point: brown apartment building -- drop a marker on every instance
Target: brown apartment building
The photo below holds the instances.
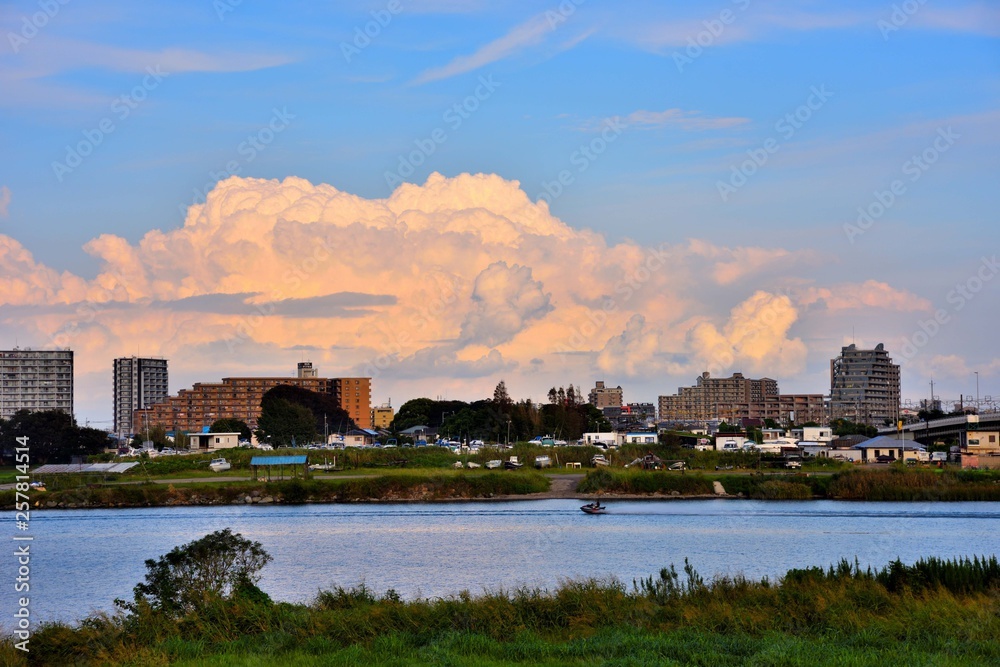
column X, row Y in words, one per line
column 239, row 398
column 737, row 397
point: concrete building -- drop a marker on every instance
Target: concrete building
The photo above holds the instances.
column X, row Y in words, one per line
column 382, row 416
column 239, row 398
column 864, row 386
column 355, row 396
column 139, row 382
column 605, row 397
column 36, row 380
column 715, row 398
column 981, row 449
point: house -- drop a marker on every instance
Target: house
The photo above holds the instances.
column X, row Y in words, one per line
column 638, row 438
column 772, row 433
column 813, row 434
column 207, row 442
column 980, row 449
column 361, row 437
column 896, row 450
column 729, row 442
column 816, row 449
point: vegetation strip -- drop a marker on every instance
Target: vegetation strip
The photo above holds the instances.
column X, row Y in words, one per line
column 200, row 605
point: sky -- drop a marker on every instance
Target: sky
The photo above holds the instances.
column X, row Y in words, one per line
column 441, row 194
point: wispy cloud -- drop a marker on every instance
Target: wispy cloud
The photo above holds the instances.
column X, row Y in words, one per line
column 4, row 201
column 532, row 32
column 686, row 120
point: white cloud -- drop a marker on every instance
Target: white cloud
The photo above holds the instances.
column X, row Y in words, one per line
column 532, row 32
column 440, row 286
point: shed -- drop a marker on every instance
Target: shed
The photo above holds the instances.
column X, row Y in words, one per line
column 261, row 466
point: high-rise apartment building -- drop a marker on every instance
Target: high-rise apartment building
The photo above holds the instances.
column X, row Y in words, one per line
column 139, row 382
column 239, row 398
column 736, row 398
column 864, row 386
column 36, row 380
column 382, row 416
column 605, row 397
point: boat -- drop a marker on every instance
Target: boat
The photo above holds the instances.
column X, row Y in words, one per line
column 512, row 464
column 543, row 461
column 471, row 464
column 599, row 460
column 219, row 465
column 494, row 464
column 594, row 508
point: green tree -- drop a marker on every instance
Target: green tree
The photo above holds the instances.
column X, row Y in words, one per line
column 501, row 399
column 53, row 436
column 328, row 415
column 282, row 422
column 158, row 436
column 231, row 426
column 218, row 566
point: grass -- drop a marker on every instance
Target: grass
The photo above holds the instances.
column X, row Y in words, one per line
column 885, row 484
column 385, row 487
column 931, row 612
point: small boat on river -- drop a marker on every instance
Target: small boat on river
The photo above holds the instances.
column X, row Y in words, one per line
column 594, row 508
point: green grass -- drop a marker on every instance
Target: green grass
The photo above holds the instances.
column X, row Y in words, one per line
column 401, row 486
column 8, row 474
column 934, row 612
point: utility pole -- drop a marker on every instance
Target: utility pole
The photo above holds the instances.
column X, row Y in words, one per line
column 977, row 391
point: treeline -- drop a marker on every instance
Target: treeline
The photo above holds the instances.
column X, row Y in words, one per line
column 566, row 416
column 52, row 436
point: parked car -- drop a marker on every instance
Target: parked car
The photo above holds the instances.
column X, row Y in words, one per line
column 792, row 463
column 884, row 459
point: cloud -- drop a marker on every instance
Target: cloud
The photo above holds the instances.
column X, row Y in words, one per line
column 4, row 201
column 869, row 294
column 685, row 120
column 530, row 33
column 755, row 338
column 506, row 298
column 439, row 287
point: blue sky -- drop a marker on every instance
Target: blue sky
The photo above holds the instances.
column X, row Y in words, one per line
column 893, row 78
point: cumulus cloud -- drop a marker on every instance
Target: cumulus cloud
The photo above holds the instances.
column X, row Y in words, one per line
column 506, row 298
column 755, row 338
column 869, row 294
column 443, row 285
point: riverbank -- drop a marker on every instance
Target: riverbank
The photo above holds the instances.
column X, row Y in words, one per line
column 612, row 484
column 931, row 612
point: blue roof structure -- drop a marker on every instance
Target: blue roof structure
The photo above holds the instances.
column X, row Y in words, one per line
column 277, row 460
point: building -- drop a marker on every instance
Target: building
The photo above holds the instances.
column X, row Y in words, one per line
column 355, row 396
column 980, row 448
column 139, row 383
column 211, row 441
column 382, row 416
column 36, row 380
column 864, row 386
column 737, row 399
column 605, row 397
column 239, row 398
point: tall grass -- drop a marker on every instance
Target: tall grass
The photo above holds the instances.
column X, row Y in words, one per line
column 931, row 611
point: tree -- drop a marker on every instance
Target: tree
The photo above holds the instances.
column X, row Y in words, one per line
column 218, row 566
column 53, row 436
column 326, row 411
column 282, row 422
column 231, row 426
column 501, row 399
column 155, row 434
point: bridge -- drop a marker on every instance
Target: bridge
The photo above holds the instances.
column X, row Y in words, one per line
column 946, row 428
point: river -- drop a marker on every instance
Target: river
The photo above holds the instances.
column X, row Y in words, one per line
column 82, row 559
